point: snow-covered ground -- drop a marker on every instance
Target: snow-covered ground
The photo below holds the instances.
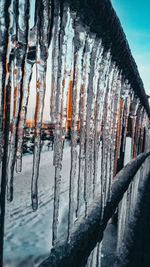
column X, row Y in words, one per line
column 27, row 233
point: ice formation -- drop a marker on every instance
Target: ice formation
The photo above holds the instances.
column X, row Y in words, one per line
column 90, row 97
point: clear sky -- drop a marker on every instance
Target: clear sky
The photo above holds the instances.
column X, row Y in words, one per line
column 135, row 19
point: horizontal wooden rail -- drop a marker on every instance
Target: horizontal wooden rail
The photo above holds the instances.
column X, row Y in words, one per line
column 87, row 232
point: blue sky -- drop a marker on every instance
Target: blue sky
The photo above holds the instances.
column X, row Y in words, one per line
column 135, row 19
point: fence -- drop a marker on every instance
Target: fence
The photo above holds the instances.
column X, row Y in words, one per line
column 95, row 93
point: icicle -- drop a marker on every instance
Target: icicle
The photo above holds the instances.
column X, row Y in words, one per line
column 103, row 71
column 79, row 43
column 96, row 139
column 89, row 260
column 111, row 126
column 29, row 62
column 5, row 87
column 93, row 128
column 122, row 103
column 43, row 37
column 121, row 221
column 2, row 77
column 137, row 131
column 142, row 131
column 124, row 95
column 115, row 108
column 55, row 65
column 102, row 85
column 94, row 257
column 55, row 55
column 21, row 45
column 60, row 93
column 90, row 128
column 106, row 137
column 118, row 124
column 126, row 113
column 99, row 255
column 26, row 90
column 83, row 111
column 6, row 51
column 133, row 113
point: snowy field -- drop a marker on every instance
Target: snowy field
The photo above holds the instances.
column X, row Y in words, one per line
column 27, row 233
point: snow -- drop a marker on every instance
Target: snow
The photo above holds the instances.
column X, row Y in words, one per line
column 29, row 233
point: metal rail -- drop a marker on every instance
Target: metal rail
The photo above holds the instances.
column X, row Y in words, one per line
column 89, row 231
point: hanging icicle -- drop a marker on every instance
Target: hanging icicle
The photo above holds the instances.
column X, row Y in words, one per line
column 44, row 21
column 30, row 60
column 5, row 92
column 60, row 90
column 79, row 43
column 22, row 11
column 107, row 133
